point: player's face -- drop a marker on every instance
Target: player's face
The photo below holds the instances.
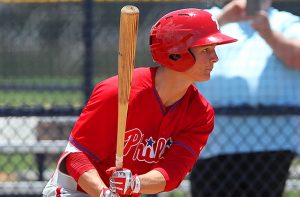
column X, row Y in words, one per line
column 205, row 58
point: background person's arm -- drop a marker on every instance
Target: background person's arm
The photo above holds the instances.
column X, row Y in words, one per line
column 287, row 50
column 233, row 12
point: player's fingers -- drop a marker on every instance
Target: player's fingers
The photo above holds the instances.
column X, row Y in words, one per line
column 118, row 181
column 110, row 171
column 115, row 182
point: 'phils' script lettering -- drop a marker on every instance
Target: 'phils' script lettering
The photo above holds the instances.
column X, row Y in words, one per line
column 148, row 150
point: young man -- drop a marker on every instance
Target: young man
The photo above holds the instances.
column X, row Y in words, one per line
column 168, row 120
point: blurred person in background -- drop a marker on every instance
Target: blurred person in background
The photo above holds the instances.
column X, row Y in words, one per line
column 251, row 155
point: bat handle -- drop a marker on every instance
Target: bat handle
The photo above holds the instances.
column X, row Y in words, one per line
column 119, row 162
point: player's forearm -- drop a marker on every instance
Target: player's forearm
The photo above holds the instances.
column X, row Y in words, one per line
column 91, row 183
column 287, row 50
column 152, row 182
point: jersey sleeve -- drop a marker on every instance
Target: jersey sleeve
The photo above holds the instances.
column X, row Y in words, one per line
column 185, row 149
column 97, row 124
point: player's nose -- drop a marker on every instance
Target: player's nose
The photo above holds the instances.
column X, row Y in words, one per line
column 214, row 57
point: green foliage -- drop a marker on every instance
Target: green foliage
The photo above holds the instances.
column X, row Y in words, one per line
column 17, row 162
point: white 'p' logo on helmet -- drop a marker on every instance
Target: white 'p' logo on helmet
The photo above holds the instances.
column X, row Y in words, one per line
column 213, row 18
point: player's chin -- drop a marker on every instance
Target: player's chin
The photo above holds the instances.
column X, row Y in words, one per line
column 204, row 78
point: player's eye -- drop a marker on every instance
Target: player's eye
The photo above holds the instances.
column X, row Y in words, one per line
column 205, row 50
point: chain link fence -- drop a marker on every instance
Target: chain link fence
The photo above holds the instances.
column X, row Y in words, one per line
column 51, row 55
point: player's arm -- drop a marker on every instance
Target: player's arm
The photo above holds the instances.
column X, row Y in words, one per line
column 186, row 146
column 152, row 182
column 91, row 183
column 287, row 50
column 85, row 174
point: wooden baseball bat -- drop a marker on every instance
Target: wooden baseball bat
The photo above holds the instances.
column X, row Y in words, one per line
column 126, row 60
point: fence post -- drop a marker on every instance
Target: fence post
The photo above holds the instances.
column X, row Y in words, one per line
column 87, row 34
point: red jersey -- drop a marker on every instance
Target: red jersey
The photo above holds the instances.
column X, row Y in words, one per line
column 166, row 139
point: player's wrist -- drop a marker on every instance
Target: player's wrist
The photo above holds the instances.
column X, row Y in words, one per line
column 136, row 185
column 104, row 192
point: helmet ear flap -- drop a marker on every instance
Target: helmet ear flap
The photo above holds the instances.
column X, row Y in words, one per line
column 178, row 62
column 183, row 62
column 174, row 57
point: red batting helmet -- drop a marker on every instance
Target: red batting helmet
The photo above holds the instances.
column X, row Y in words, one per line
column 175, row 33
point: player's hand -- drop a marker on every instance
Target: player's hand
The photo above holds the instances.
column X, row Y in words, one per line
column 105, row 192
column 123, row 182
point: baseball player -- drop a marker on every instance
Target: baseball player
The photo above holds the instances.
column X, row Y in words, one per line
column 168, row 120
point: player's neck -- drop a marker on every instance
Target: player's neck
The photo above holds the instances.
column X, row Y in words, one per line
column 170, row 85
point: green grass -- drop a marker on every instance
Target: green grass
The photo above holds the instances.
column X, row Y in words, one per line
column 45, row 99
column 45, row 80
column 291, row 194
column 296, row 161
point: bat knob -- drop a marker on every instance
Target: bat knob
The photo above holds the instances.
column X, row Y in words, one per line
column 129, row 9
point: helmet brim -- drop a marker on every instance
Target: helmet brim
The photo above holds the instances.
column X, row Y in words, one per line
column 215, row 39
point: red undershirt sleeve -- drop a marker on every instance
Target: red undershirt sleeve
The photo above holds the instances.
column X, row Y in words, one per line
column 78, row 163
